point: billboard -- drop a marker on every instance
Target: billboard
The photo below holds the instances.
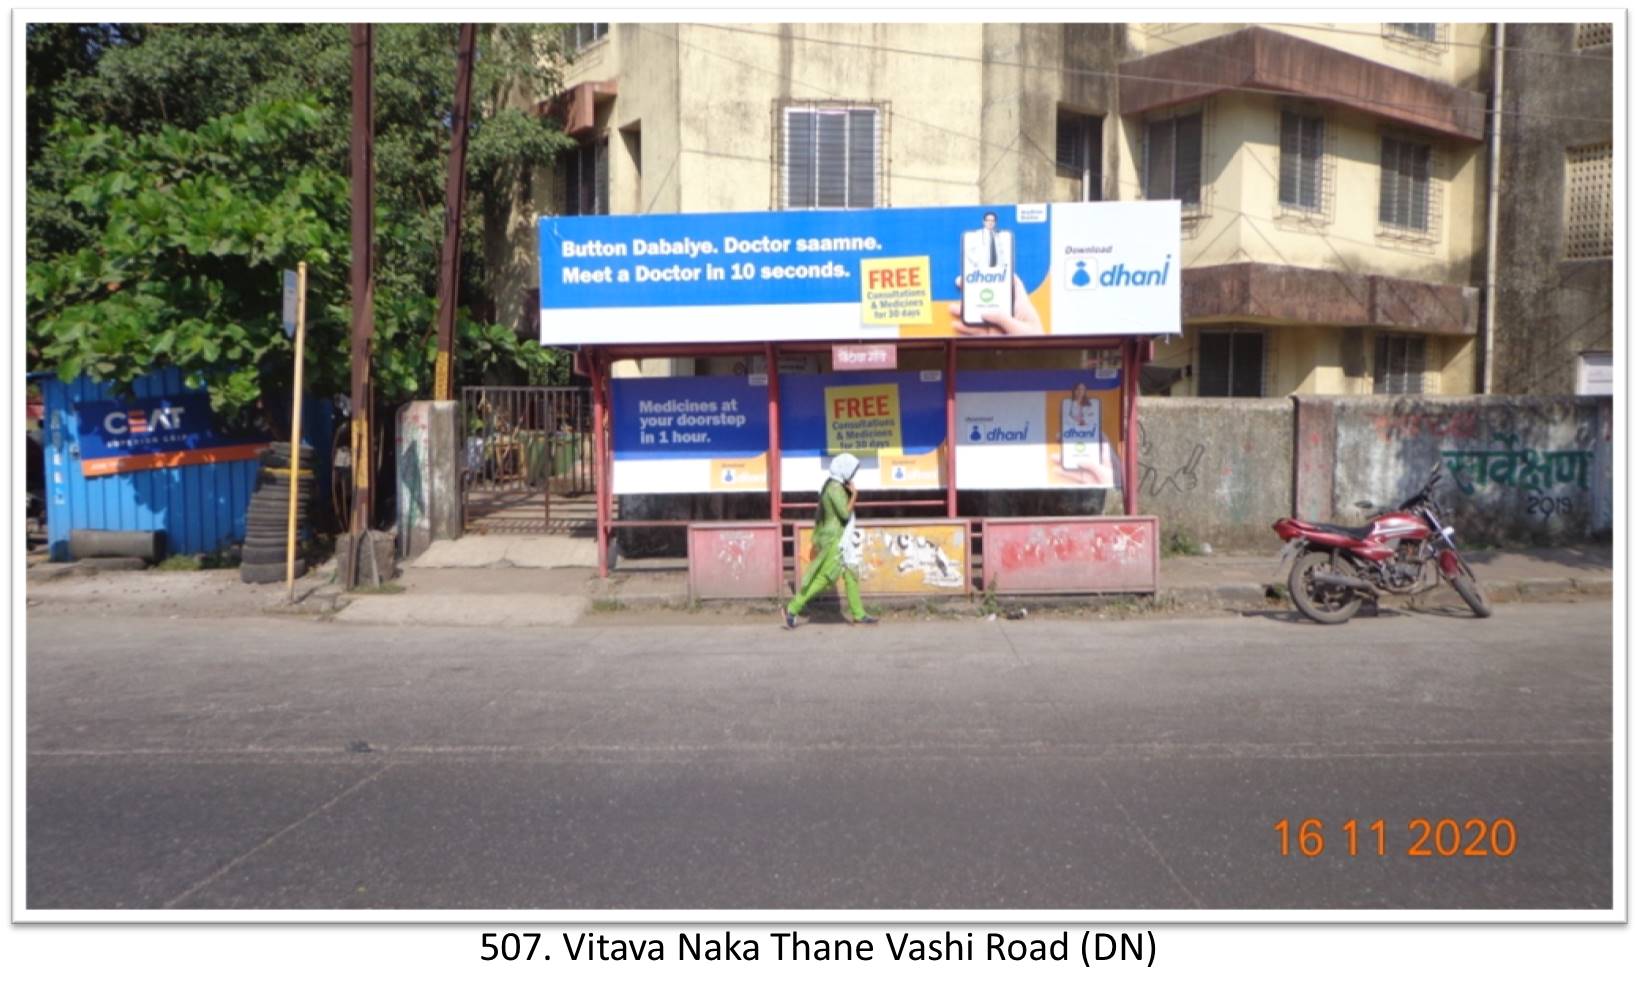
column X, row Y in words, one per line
column 904, row 556
column 1038, row 429
column 147, row 433
column 1106, row 268
column 1015, row 430
column 683, row 435
column 893, row 421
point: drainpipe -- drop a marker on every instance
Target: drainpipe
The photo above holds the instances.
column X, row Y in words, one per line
column 1493, row 198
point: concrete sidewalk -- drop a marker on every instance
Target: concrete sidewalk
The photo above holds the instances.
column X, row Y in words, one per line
column 491, row 596
column 544, row 581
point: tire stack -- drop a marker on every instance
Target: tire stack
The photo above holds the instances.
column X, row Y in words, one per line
column 261, row 559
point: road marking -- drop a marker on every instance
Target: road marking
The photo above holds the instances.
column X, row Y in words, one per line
column 241, row 859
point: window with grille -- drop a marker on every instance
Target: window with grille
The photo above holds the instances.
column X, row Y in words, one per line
column 1231, row 364
column 1594, row 35
column 1401, row 364
column 1080, row 152
column 830, row 157
column 1425, row 32
column 1406, row 166
column 1172, row 150
column 1589, row 219
column 585, row 171
column 1302, row 159
column 582, row 36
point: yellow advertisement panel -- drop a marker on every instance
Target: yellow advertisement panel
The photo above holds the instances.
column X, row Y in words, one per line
column 895, row 291
column 863, row 419
column 904, row 556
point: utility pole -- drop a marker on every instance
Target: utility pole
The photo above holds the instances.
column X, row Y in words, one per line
column 449, row 263
column 363, row 281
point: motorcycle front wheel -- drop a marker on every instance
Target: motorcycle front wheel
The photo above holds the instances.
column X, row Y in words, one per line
column 1472, row 592
column 1323, row 603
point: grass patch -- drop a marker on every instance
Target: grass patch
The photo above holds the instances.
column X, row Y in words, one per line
column 388, row 588
column 990, row 604
column 600, row 605
column 1181, row 544
column 180, row 562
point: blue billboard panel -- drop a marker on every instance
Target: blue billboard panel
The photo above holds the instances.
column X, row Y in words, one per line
column 885, row 273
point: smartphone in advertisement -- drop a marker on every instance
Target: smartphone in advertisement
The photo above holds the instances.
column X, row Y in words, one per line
column 986, row 273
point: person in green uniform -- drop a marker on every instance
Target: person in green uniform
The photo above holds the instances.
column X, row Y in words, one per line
column 836, row 500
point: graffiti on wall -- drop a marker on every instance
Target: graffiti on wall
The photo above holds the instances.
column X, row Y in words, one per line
column 1158, row 476
column 1530, row 469
column 902, row 558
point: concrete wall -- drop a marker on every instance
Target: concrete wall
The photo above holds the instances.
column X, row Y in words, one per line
column 1221, row 471
column 1554, row 484
column 1216, row 470
column 1549, row 308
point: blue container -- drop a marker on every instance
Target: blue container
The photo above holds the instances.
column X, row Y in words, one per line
column 200, row 507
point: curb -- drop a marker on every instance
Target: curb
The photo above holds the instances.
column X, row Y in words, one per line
column 1231, row 595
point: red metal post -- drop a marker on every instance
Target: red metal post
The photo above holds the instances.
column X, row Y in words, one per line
column 601, row 483
column 775, row 486
column 950, row 429
column 1128, row 429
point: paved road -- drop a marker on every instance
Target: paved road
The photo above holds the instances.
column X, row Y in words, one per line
column 939, row 765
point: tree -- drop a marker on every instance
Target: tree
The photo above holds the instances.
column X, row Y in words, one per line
column 178, row 169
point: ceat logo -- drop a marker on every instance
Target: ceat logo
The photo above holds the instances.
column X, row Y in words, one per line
column 136, row 422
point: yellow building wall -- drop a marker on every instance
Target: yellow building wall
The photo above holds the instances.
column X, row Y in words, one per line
column 702, row 99
column 1459, row 58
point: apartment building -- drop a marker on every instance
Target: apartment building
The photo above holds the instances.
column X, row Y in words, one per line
column 1334, row 176
column 1554, row 329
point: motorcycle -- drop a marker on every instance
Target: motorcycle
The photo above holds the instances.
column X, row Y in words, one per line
column 1403, row 552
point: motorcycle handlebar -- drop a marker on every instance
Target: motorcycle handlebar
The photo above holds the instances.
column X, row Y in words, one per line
column 1426, row 493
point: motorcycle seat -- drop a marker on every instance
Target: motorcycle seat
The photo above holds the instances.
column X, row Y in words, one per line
column 1353, row 532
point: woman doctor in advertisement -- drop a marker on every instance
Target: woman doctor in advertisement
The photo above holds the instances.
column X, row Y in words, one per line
column 830, row 536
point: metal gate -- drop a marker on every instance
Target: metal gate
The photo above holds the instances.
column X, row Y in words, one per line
column 527, row 461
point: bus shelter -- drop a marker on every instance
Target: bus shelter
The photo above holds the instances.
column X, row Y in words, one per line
column 905, row 303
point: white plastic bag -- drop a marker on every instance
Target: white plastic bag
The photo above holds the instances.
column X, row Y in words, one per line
column 852, row 544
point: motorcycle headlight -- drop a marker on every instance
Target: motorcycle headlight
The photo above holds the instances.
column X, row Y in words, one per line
column 1449, row 532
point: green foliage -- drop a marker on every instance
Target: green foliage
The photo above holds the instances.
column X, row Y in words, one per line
column 176, row 170
column 1181, row 544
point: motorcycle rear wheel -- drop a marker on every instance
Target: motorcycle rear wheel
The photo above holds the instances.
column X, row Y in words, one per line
column 1325, row 604
column 1473, row 594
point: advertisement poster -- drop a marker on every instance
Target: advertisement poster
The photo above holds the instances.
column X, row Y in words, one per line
column 893, row 421
column 1038, row 429
column 178, row 431
column 1102, row 268
column 682, row 435
column 904, row 556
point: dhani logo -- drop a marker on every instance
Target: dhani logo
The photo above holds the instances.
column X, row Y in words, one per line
column 996, row 277
column 137, row 422
column 997, row 433
column 1119, row 276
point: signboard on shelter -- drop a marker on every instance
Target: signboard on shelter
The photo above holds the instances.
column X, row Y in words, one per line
column 1088, row 269
column 680, row 435
column 1038, row 429
column 147, row 433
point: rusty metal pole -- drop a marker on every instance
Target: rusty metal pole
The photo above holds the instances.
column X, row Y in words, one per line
column 363, row 279
column 449, row 263
column 949, row 428
column 1130, row 355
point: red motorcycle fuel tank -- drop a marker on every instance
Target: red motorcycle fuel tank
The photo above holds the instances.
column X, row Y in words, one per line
column 1388, row 531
